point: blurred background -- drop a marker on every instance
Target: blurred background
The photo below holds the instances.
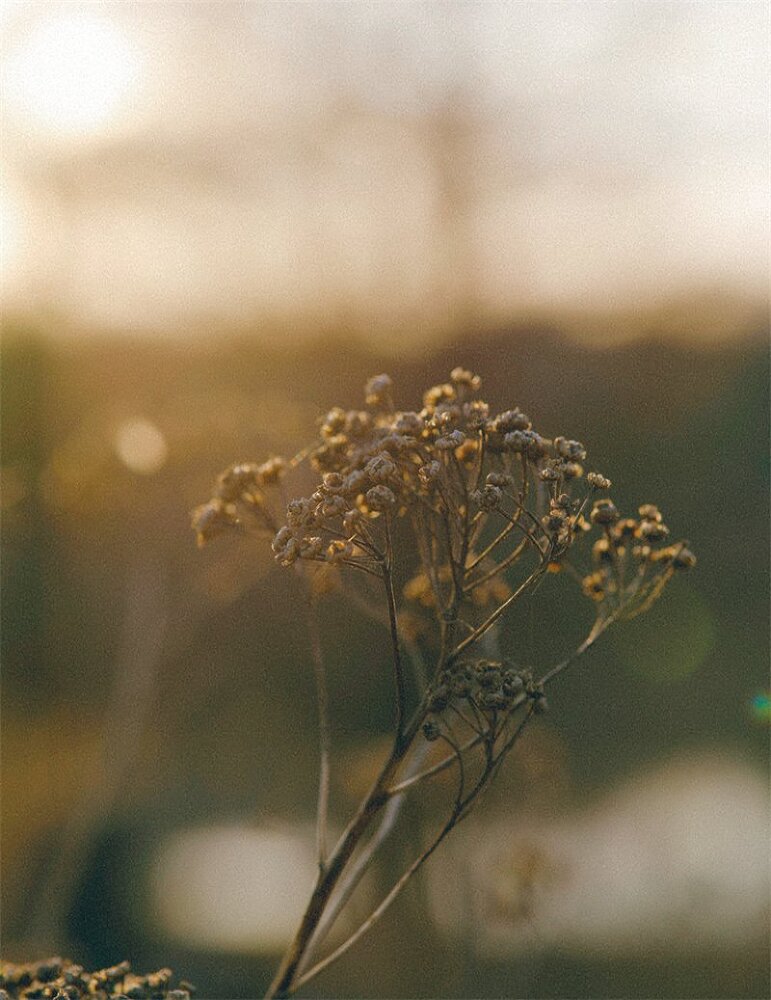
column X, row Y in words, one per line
column 217, row 220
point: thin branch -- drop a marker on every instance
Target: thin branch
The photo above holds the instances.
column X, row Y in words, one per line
column 401, row 694
column 499, row 567
column 511, row 740
column 322, row 701
column 491, row 546
column 493, row 618
column 596, row 631
column 482, row 455
column 348, row 883
column 431, row 771
column 464, row 718
column 380, row 910
column 515, row 521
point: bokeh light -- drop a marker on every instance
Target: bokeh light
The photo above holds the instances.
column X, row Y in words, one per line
column 71, row 73
column 141, row 446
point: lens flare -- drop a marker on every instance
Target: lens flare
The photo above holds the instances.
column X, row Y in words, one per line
column 761, row 707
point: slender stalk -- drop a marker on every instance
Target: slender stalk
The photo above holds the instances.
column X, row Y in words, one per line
column 431, row 771
column 597, row 629
column 369, row 923
column 493, row 618
column 399, row 679
column 499, row 567
column 491, row 546
column 322, row 702
column 351, row 879
column 282, row 984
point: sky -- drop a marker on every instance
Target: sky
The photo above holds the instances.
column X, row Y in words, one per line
column 178, row 168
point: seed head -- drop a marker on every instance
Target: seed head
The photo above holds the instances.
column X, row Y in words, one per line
column 564, row 501
column 429, row 473
column 604, row 512
column 272, row 471
column 574, row 451
column 526, row 442
column 438, row 394
column 378, row 390
column 489, row 497
column 338, row 551
column 625, row 528
column 333, row 482
column 652, row 531
column 512, row 420
column 211, row 519
column 451, row 441
column 381, row 498
column 431, row 731
column 439, row 699
column 572, row 470
column 237, row 480
column 684, row 558
column 409, row 423
column 463, row 377
column 602, row 551
column 594, row 586
column 380, row 468
column 650, row 512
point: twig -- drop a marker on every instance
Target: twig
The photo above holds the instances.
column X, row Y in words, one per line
column 348, row 884
column 431, row 771
column 401, row 695
column 325, row 741
column 597, row 629
column 493, row 618
column 376, row 914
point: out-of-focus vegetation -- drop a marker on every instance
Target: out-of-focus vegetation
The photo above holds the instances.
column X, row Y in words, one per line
column 54, row 977
column 149, row 687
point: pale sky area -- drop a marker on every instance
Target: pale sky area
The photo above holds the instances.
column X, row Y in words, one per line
column 290, row 167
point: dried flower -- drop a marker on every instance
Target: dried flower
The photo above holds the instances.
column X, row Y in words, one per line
column 377, row 390
column 381, row 498
column 471, row 529
column 604, row 512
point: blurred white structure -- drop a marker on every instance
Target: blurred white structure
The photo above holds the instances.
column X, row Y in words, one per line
column 677, row 859
column 233, row 888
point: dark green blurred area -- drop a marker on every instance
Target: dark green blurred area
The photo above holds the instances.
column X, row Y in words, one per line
column 227, row 732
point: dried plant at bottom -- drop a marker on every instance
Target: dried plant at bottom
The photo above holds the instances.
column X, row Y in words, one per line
column 450, row 514
column 60, row 979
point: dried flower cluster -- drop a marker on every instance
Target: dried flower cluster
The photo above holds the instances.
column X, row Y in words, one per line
column 59, row 979
column 463, row 511
column 456, row 472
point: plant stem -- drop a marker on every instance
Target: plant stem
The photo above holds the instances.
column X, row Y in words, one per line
column 322, row 701
column 401, row 693
column 597, row 629
column 356, row 870
column 283, row 983
column 493, row 618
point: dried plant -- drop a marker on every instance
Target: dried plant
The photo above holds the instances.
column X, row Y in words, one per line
column 456, row 514
column 59, row 979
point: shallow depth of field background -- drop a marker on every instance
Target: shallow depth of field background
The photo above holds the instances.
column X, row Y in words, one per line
column 217, row 222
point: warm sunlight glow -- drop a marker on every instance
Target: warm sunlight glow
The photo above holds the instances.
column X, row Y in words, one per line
column 71, row 73
column 10, row 239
